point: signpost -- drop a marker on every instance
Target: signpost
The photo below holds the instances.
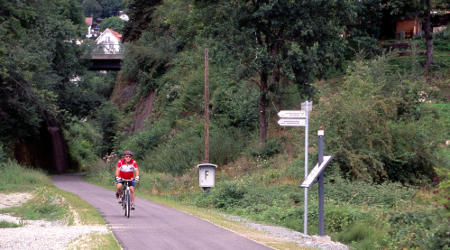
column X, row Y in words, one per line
column 292, row 114
column 292, row 122
column 317, row 174
column 299, row 118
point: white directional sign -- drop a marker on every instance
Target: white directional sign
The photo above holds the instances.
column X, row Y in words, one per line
column 292, row 114
column 316, row 172
column 292, row 122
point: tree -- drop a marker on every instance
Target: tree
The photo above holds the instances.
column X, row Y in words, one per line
column 110, row 7
column 91, row 8
column 140, row 14
column 38, row 56
column 114, row 23
column 276, row 41
column 428, row 6
column 287, row 41
column 419, row 8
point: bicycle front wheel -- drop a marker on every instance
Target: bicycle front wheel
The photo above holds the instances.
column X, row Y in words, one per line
column 128, row 204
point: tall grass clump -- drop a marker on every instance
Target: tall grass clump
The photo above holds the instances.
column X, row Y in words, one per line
column 103, row 171
column 3, row 155
column 177, row 154
column 7, row 224
column 185, row 149
column 18, row 178
column 226, row 144
column 364, row 234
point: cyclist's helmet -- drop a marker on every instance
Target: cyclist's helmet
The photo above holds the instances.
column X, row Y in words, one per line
column 128, row 152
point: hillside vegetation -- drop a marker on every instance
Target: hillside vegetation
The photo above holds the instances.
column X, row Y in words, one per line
column 385, row 113
column 387, row 186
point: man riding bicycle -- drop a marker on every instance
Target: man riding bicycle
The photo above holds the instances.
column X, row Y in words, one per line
column 127, row 168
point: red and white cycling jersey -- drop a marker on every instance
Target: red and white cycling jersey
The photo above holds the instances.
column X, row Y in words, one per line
column 126, row 169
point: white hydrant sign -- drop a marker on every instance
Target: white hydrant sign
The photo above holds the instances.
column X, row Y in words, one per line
column 206, row 175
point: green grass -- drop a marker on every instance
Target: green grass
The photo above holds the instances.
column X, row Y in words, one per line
column 18, row 179
column 50, row 203
column 95, row 241
column 44, row 205
column 7, row 224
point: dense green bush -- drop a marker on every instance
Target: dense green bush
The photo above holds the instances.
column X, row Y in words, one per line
column 228, row 194
column 226, row 144
column 364, row 234
column 107, row 119
column 179, row 153
column 419, row 229
column 84, row 142
column 147, row 139
column 389, row 195
column 271, row 148
column 235, row 107
column 377, row 126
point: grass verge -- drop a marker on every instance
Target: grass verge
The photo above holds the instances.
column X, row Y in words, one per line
column 50, row 203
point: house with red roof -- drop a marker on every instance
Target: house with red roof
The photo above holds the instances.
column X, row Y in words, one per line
column 111, row 41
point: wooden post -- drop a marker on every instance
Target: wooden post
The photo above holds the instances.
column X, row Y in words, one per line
column 206, row 158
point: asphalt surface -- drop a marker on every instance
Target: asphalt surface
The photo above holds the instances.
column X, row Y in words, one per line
column 152, row 225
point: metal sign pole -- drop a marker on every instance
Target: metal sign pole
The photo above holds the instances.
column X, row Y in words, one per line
column 305, row 216
column 321, row 133
column 306, row 107
column 317, row 174
column 299, row 118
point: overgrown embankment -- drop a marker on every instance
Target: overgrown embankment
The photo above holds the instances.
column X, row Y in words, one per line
column 387, row 186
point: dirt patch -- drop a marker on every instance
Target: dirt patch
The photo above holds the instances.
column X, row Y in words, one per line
column 14, row 199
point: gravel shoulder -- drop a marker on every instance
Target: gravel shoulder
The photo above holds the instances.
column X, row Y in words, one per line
column 300, row 239
column 40, row 234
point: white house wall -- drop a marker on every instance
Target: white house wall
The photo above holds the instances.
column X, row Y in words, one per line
column 110, row 42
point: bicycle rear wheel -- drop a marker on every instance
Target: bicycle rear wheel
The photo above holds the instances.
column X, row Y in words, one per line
column 124, row 200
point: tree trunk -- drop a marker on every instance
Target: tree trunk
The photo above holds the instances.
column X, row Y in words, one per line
column 262, row 104
column 428, row 35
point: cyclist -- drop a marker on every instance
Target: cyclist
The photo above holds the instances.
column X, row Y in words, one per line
column 127, row 168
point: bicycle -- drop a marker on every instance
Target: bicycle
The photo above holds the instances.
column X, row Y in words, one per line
column 126, row 196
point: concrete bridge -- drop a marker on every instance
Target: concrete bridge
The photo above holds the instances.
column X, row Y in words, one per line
column 105, row 56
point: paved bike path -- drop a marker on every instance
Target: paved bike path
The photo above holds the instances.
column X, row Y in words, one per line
column 152, row 225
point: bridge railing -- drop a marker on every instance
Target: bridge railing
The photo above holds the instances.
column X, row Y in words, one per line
column 106, row 48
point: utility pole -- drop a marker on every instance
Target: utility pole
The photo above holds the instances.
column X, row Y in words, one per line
column 206, row 157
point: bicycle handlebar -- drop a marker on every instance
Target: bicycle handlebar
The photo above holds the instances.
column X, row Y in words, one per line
column 132, row 179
